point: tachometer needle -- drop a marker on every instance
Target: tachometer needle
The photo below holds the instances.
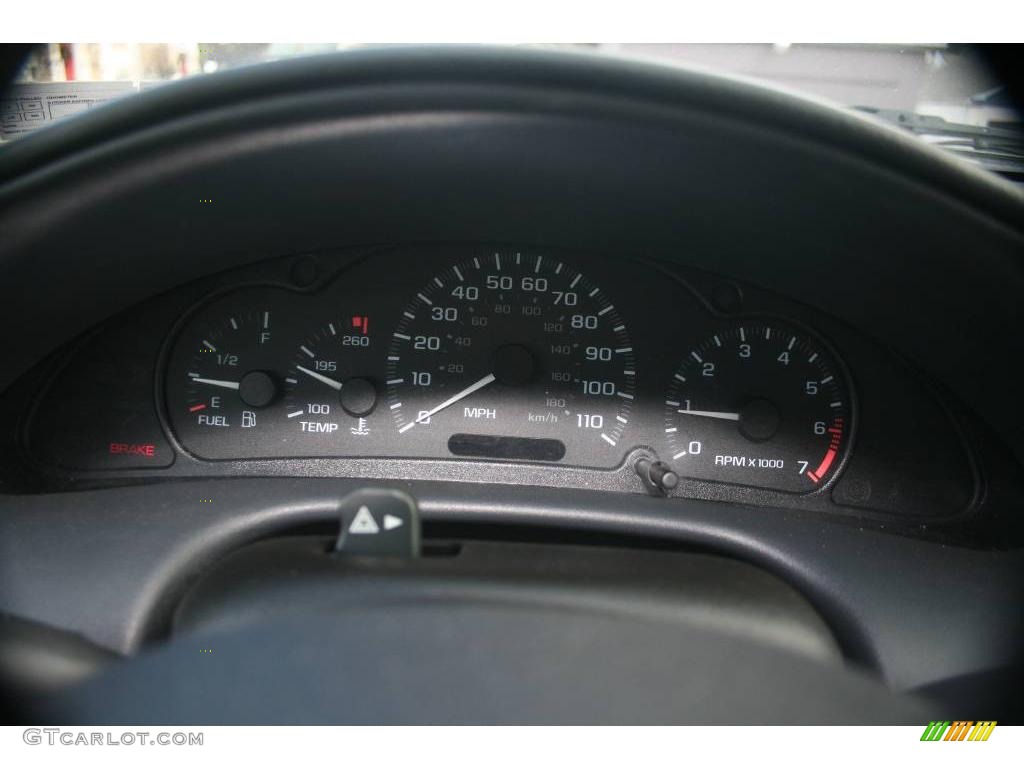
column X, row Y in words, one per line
column 450, row 401
column 712, row 414
column 320, row 377
column 217, row 382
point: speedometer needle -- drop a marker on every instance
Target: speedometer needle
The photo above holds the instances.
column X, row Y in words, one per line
column 712, row 414
column 320, row 377
column 450, row 401
column 217, row 382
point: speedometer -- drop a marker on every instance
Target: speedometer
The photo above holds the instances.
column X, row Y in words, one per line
column 512, row 356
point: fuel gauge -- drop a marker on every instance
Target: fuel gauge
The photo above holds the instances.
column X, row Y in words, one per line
column 223, row 386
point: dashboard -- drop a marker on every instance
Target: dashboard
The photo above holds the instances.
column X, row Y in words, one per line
column 503, row 364
column 653, row 344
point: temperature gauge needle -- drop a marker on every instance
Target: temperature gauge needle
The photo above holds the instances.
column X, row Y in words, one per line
column 320, row 377
column 713, row 414
column 451, row 401
column 217, row 382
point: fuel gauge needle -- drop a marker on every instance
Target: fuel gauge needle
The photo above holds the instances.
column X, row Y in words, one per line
column 320, row 377
column 450, row 401
column 217, row 382
column 712, row 414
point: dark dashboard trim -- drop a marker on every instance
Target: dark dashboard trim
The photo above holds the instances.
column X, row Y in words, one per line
column 631, row 79
column 859, row 579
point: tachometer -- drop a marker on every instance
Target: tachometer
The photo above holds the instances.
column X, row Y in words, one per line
column 512, row 356
column 759, row 405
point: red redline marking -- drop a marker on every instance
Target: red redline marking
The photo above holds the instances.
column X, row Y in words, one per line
column 813, row 477
column 825, row 463
column 195, row 408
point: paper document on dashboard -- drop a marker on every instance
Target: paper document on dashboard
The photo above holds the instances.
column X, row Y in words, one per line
column 30, row 106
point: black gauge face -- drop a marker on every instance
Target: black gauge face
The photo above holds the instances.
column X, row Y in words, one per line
column 512, row 356
column 328, row 397
column 758, row 405
column 223, row 383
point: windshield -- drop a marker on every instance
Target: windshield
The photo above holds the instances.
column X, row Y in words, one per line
column 945, row 82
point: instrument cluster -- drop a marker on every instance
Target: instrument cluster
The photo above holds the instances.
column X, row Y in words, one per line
column 498, row 364
column 509, row 355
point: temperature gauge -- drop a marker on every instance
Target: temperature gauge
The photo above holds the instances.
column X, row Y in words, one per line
column 327, row 394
